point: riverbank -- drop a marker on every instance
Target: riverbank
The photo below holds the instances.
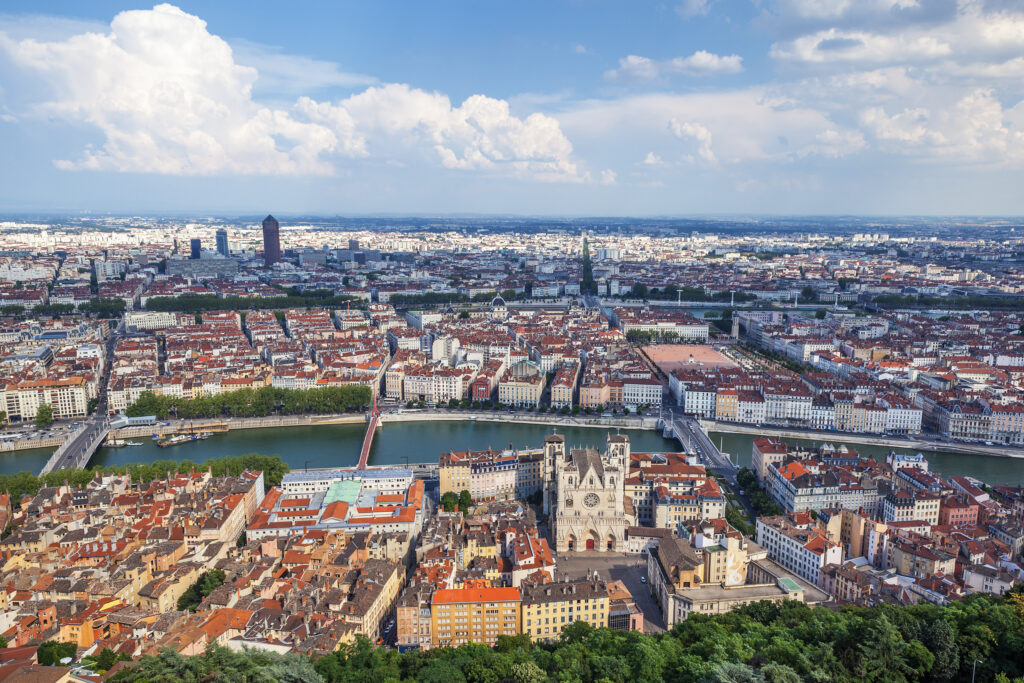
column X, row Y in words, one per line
column 177, row 426
column 909, row 443
column 29, row 444
column 643, row 422
column 270, row 422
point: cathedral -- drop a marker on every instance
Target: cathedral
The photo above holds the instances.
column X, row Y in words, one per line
column 584, row 496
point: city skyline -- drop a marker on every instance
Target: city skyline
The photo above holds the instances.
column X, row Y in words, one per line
column 694, row 108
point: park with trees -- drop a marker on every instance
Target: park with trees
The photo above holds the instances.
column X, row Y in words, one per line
column 255, row 402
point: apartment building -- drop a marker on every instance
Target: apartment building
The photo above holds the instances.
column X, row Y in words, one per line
column 69, row 397
column 696, row 398
column 673, row 509
column 157, row 320
column 487, row 475
column 766, row 453
column 727, row 405
column 642, row 391
column 474, row 615
column 523, row 385
column 862, row 536
column 550, row 607
column 797, row 546
column 910, row 558
column 908, row 506
column 529, row 472
column 787, row 403
column 750, row 407
column 563, row 386
column 412, row 616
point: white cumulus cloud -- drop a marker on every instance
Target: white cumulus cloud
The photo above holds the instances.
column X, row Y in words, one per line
column 697, row 132
column 481, row 133
column 976, row 129
column 694, row 8
column 169, row 97
column 634, row 68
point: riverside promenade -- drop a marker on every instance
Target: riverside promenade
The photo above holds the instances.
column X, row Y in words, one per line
column 394, row 416
column 27, row 444
column 269, row 422
column 920, row 443
column 622, row 422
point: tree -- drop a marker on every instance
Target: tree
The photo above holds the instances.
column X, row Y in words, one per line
column 808, row 293
column 735, row 672
column 940, row 640
column 195, row 593
column 761, row 642
column 450, row 501
column 465, row 501
column 883, row 653
column 746, row 478
column 44, row 416
column 51, row 652
column 104, row 660
column 528, row 672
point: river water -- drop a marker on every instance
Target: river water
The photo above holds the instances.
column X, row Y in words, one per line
column 398, row 443
column 394, row 444
column 989, row 469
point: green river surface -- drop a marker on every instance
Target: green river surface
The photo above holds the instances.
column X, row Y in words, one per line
column 401, row 442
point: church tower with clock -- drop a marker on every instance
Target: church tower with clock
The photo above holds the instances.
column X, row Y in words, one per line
column 591, row 511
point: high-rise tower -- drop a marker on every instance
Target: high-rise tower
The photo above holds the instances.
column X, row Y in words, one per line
column 222, row 243
column 271, row 241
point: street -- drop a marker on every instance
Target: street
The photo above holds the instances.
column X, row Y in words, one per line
column 616, row 567
column 692, row 434
column 91, row 426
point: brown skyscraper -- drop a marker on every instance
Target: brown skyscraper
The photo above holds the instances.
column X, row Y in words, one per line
column 271, row 241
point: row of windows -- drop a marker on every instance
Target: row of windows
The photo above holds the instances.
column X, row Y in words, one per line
column 464, row 610
column 587, row 602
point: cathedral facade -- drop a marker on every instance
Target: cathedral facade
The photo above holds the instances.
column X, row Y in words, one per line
column 585, row 495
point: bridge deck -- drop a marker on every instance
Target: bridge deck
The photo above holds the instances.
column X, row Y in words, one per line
column 79, row 447
column 371, row 430
column 691, row 434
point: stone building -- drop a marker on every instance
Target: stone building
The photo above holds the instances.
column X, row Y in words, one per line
column 591, row 510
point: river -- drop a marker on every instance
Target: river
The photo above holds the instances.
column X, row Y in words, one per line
column 398, row 443
column 989, row 469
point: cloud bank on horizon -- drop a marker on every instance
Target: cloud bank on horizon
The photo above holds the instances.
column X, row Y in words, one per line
column 827, row 94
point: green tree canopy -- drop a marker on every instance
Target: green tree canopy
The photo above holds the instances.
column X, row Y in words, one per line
column 44, row 416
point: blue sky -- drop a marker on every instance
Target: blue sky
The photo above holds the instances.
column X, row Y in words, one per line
column 585, row 107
